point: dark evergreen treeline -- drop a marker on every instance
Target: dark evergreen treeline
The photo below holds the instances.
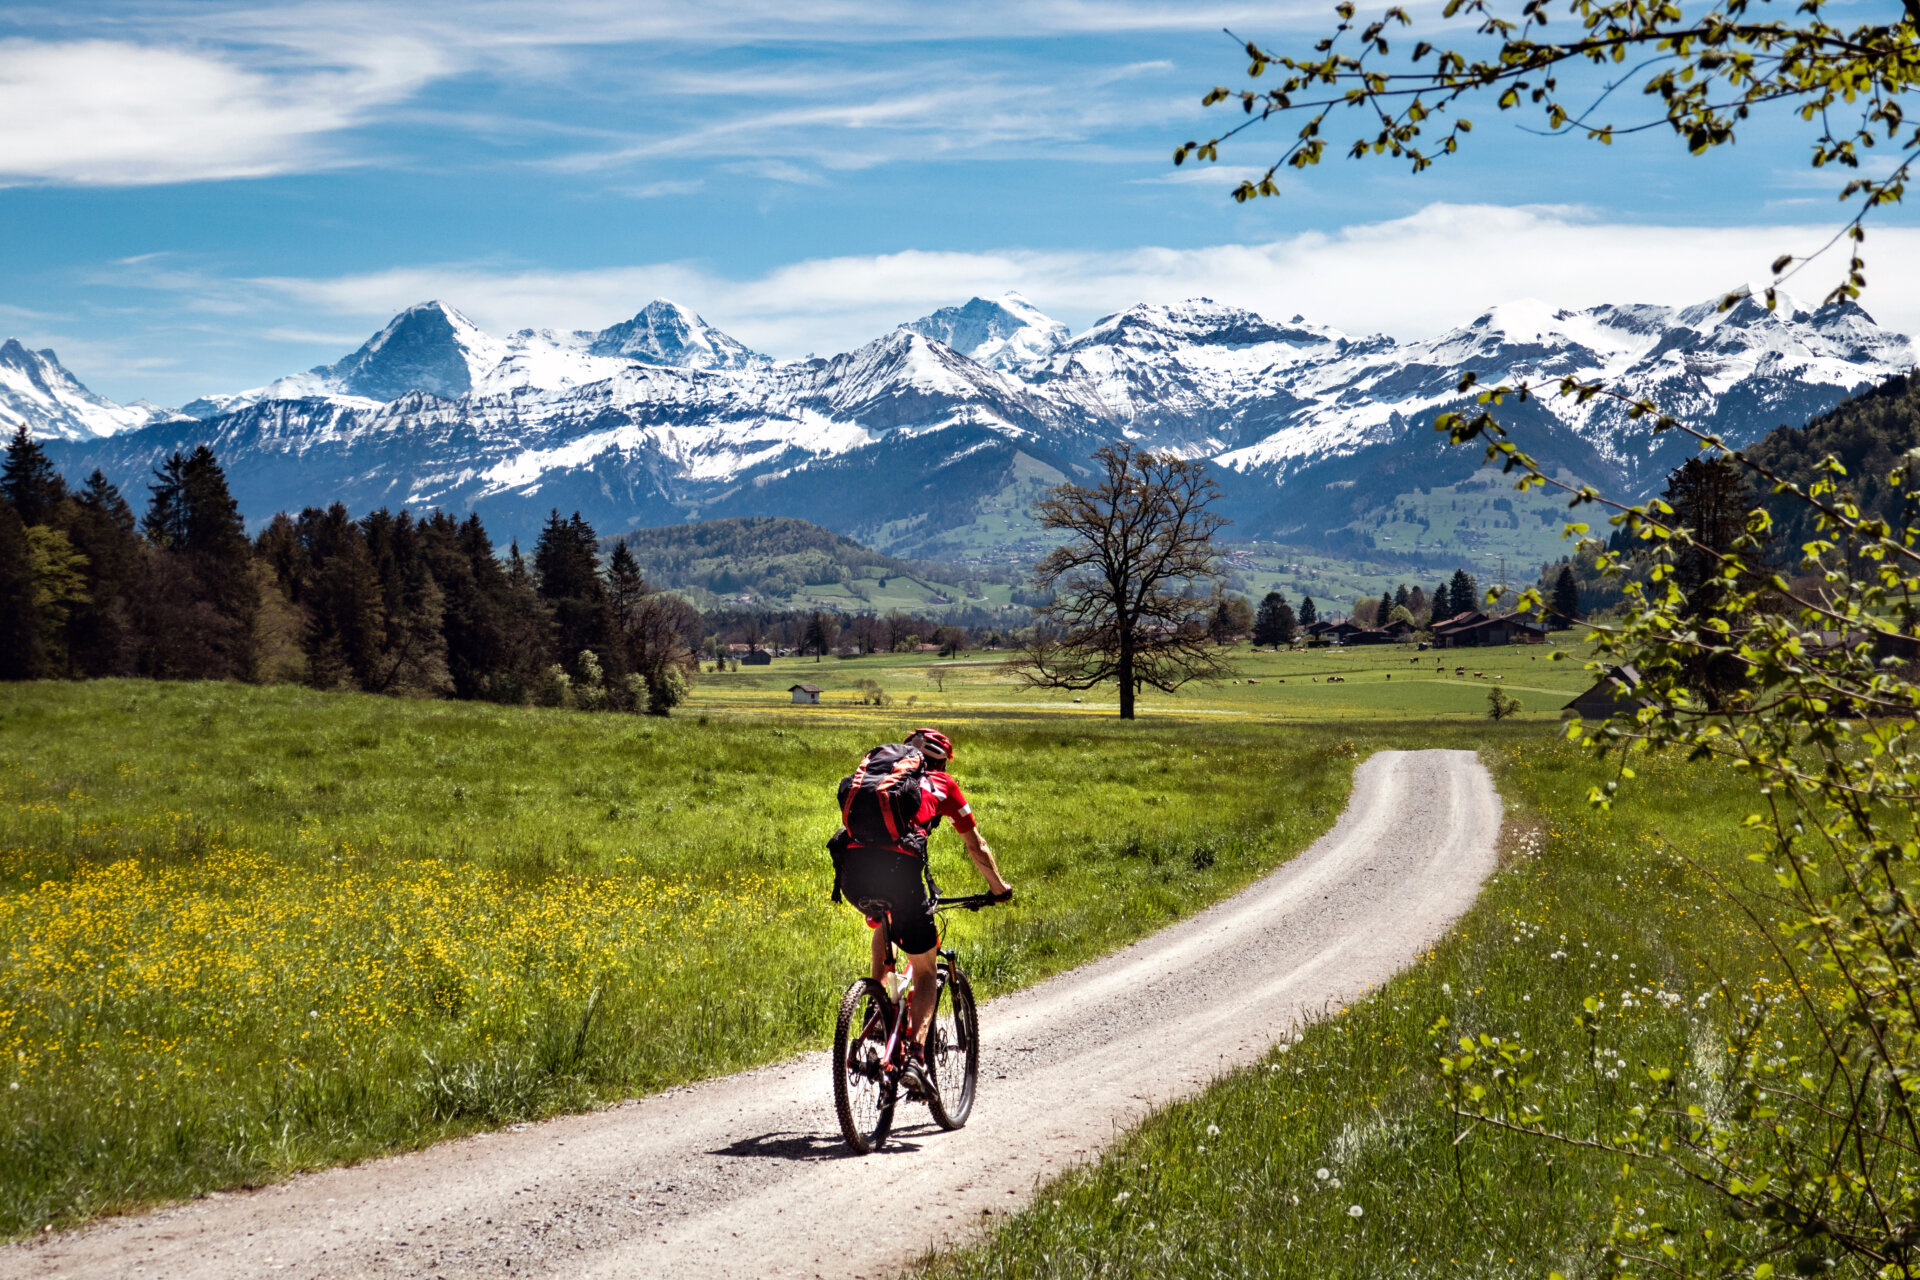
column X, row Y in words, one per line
column 389, row 603
column 423, row 606
column 1869, row 434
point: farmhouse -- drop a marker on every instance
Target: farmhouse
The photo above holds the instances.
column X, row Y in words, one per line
column 1473, row 629
column 1611, row 695
column 807, row 695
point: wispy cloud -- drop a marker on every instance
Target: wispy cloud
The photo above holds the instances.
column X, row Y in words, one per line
column 1411, row 276
column 113, row 113
column 665, row 187
column 133, row 93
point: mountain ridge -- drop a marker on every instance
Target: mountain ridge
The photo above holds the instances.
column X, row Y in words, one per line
column 909, row 442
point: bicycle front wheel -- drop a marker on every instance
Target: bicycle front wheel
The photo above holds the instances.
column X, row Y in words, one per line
column 862, row 1093
column 953, row 1049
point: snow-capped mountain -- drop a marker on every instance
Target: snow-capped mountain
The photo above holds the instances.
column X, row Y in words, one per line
column 666, row 333
column 1006, row 332
column 663, row 417
column 1739, row 372
column 37, row 392
column 1185, row 376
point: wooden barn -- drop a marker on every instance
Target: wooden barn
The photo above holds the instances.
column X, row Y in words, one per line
column 1614, row 693
column 1474, row 629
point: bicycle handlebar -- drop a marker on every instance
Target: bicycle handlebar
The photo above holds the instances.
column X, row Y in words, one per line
column 970, row 902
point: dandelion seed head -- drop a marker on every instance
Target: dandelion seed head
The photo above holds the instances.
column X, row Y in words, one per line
column 1323, row 1174
column 1213, row 1130
column 1354, row 1211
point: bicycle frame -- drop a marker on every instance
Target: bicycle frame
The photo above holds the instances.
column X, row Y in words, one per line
column 902, row 1004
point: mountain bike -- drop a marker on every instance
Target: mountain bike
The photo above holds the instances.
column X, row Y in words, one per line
column 870, row 1047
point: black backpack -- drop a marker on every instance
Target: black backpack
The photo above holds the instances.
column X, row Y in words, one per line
column 879, row 802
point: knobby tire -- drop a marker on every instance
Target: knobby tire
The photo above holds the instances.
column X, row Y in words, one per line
column 953, row 1049
column 865, row 1104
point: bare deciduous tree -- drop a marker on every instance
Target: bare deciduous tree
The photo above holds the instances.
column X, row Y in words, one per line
column 1124, row 607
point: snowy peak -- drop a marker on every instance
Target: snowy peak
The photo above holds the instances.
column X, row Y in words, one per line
column 1197, row 322
column 37, row 391
column 428, row 347
column 906, row 379
column 666, row 333
column 1006, row 332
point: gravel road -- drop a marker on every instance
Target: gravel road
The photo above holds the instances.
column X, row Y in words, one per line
column 747, row 1176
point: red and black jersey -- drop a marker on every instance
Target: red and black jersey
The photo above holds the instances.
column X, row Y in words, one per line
column 941, row 797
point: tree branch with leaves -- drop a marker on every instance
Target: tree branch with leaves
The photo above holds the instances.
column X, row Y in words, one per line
column 1708, row 71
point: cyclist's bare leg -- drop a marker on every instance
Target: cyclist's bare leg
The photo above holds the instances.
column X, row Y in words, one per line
column 925, row 992
column 880, row 956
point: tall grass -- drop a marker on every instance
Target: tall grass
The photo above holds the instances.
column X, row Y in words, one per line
column 1339, row 1154
column 247, row 931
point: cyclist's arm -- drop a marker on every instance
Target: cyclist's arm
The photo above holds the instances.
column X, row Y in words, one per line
column 983, row 860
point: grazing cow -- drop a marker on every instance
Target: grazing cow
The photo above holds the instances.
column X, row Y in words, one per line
column 1479, row 675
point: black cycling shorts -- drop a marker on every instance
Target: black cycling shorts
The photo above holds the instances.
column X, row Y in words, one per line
column 889, row 886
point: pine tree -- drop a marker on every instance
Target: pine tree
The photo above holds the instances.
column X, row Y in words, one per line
column 346, row 610
column 566, row 565
column 1710, row 497
column 1402, row 598
column 1442, row 604
column 28, row 480
column 527, row 632
column 201, row 602
column 1308, row 614
column 1566, row 598
column 101, row 637
column 1273, row 625
column 1464, row 593
column 19, row 618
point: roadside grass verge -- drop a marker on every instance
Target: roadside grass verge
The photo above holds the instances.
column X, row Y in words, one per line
column 247, row 931
column 1337, row 1155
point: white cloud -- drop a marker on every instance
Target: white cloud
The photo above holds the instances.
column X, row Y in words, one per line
column 1411, row 277
column 178, row 94
column 665, row 187
column 111, row 113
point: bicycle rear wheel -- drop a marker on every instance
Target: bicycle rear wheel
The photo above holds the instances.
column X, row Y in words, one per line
column 862, row 1094
column 953, row 1049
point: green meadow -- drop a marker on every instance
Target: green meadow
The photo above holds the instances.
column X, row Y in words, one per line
column 1339, row 1155
column 246, row 931
column 1379, row 683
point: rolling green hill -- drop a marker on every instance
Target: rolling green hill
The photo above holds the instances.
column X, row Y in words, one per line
column 777, row 562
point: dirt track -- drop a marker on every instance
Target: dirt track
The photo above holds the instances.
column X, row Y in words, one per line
column 747, row 1176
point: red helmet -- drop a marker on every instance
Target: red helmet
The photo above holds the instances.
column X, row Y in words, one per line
column 931, row 743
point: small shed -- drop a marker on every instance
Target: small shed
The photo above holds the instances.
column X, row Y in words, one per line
column 1613, row 694
column 806, row 695
column 758, row 658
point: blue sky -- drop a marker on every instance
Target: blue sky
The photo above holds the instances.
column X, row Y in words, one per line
column 201, row 197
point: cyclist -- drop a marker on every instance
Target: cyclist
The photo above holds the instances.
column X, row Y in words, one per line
column 889, row 885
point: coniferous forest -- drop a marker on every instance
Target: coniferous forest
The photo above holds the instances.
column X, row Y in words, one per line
column 394, row 603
